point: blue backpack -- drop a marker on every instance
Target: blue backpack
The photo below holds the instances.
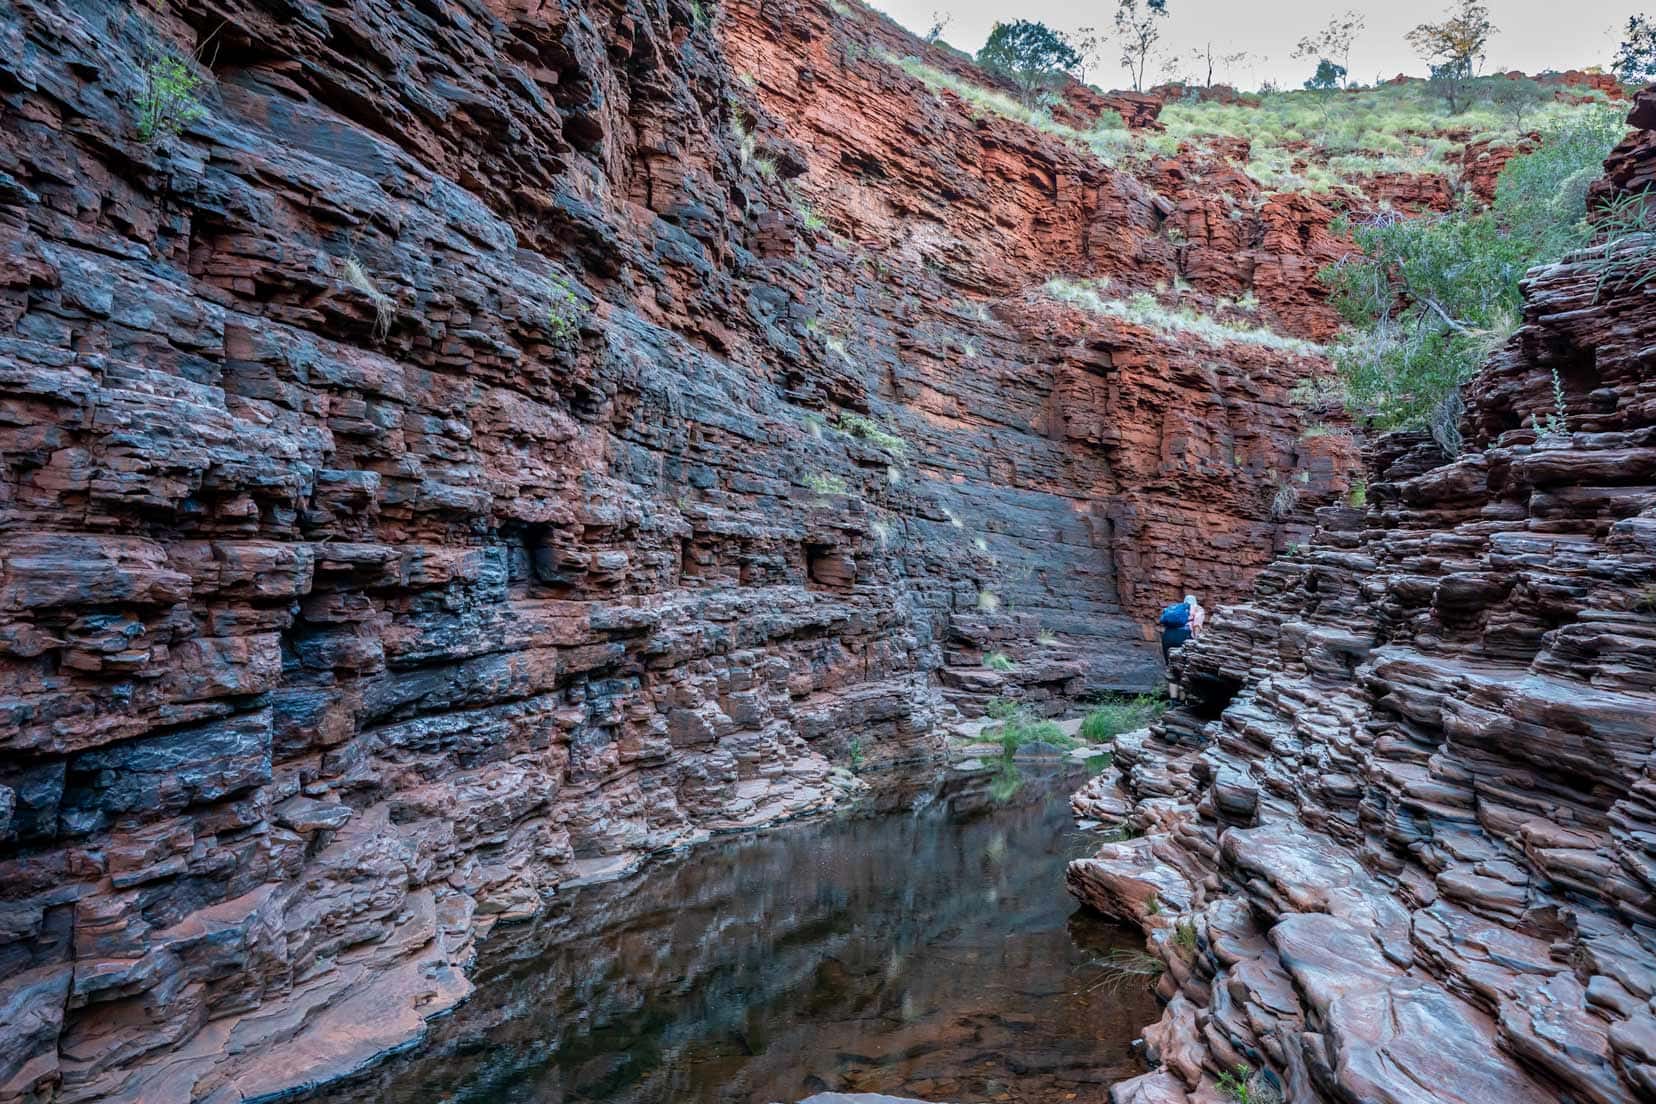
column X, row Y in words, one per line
column 1176, row 616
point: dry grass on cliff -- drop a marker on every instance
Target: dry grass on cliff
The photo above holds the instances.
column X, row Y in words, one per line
column 1319, row 141
column 1142, row 309
column 1106, row 141
column 1298, row 141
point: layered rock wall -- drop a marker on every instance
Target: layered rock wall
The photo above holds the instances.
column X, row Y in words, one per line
column 1170, row 446
column 1412, row 858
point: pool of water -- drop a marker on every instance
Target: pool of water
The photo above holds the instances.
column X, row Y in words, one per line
column 921, row 945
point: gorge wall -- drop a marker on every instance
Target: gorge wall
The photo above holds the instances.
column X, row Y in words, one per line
column 493, row 441
column 1413, row 858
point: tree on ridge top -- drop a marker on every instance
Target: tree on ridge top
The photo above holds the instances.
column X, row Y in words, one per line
column 1454, row 49
column 1031, row 55
column 1333, row 45
column 1139, row 25
column 1636, row 59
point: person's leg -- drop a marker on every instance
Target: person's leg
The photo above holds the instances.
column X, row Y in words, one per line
column 1167, row 651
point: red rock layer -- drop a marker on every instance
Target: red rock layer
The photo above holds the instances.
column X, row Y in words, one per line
column 407, row 510
column 1414, row 857
column 1173, row 448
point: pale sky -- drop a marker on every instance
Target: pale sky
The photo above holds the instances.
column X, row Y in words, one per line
column 1532, row 35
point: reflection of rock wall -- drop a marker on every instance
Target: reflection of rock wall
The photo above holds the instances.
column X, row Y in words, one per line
column 1416, row 850
column 776, row 965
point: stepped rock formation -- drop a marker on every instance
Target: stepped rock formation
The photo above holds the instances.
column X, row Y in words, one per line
column 1414, row 857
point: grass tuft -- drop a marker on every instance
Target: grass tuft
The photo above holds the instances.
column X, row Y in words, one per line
column 1143, row 310
column 385, row 309
column 1116, row 715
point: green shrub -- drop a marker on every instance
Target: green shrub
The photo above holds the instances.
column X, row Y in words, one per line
column 1238, row 1084
column 1556, row 425
column 823, row 483
column 871, row 431
column 1031, row 55
column 1000, row 709
column 170, row 101
column 1142, row 309
column 564, row 313
column 1429, row 297
column 1329, row 75
column 1636, row 57
column 998, row 661
column 1625, row 230
column 1116, row 715
column 1108, row 137
column 1020, row 729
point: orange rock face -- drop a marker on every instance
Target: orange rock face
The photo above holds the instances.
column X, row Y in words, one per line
column 1175, row 445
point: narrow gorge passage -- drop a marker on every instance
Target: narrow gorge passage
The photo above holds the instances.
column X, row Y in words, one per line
column 542, row 541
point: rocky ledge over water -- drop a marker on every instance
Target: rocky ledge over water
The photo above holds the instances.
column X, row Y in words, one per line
column 1400, row 844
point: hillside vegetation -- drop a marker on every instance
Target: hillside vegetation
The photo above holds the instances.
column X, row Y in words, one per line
column 1428, row 295
column 1304, row 140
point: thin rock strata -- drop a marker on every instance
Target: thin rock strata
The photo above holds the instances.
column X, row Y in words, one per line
column 1413, row 858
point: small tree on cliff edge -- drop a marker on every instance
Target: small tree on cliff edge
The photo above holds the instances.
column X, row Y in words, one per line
column 1204, row 59
column 1031, row 55
column 1454, row 49
column 1138, row 22
column 1328, row 75
column 1333, row 45
column 1636, row 60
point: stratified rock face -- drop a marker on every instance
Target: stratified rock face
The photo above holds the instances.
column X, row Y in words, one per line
column 458, row 463
column 1168, row 448
column 1414, row 859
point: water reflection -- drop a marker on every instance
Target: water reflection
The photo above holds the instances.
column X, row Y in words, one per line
column 924, row 947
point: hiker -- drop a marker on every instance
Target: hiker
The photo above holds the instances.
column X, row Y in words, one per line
column 1180, row 622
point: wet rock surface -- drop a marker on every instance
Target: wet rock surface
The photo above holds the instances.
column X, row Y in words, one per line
column 1398, row 846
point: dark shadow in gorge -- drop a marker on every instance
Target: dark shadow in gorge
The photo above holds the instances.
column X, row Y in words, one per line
column 921, row 945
